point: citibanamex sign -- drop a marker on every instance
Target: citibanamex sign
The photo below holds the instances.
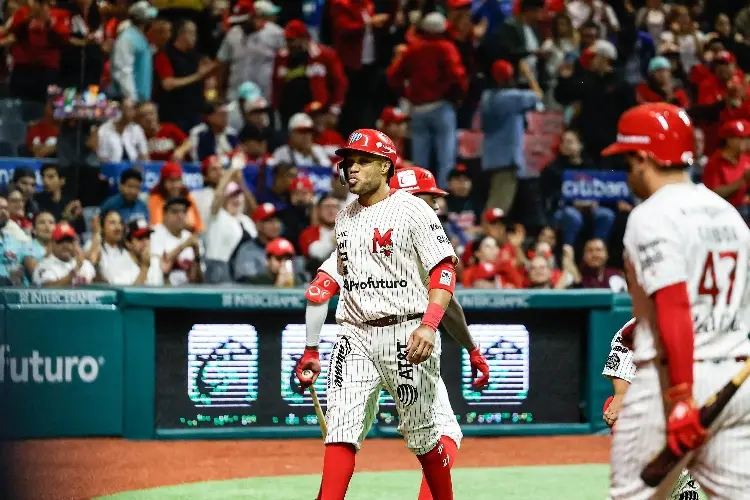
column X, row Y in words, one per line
column 38, row 369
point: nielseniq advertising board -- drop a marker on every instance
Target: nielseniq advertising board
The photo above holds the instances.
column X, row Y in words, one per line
column 236, row 369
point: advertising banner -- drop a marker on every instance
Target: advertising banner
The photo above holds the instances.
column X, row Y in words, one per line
column 61, row 364
column 593, row 185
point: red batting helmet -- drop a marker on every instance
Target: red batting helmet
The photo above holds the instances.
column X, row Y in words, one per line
column 662, row 131
column 416, row 180
column 369, row 141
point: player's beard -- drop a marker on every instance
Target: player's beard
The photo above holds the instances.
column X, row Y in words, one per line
column 365, row 186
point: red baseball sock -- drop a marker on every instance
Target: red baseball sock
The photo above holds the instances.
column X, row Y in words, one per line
column 338, row 467
column 436, row 466
column 451, row 450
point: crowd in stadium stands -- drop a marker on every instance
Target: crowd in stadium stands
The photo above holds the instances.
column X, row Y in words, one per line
column 261, row 94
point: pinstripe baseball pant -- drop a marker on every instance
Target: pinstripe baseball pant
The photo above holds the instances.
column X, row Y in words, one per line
column 721, row 466
column 366, row 359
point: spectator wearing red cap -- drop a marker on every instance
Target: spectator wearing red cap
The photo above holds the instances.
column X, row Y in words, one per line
column 248, row 50
column 356, row 28
column 728, row 170
column 165, row 140
column 65, row 264
column 227, row 226
column 300, row 150
column 306, row 71
column 170, row 185
column 122, row 139
column 180, row 71
column 249, row 260
column 279, row 266
column 437, row 80
column 503, row 109
column 324, row 122
column 318, row 242
column 393, row 122
column 175, row 246
column 297, row 215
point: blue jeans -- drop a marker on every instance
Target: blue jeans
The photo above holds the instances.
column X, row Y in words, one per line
column 569, row 220
column 435, row 130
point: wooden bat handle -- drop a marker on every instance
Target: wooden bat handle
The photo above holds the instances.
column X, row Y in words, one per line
column 316, row 404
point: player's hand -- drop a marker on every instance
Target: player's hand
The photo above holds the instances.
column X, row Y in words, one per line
column 479, row 365
column 420, row 345
column 684, row 429
column 613, row 410
column 310, row 361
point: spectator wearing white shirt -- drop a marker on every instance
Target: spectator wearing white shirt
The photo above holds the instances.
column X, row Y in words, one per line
column 176, row 246
column 583, row 11
column 211, row 170
column 121, row 139
column 227, row 226
column 300, row 150
column 65, row 265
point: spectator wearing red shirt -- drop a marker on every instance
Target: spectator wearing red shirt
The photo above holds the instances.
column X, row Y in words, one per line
column 324, row 122
column 41, row 136
column 305, row 71
column 484, row 272
column 437, row 79
column 40, row 31
column 180, row 72
column 393, row 123
column 727, row 172
column 660, row 87
column 594, row 270
column 318, row 242
column 165, row 140
column 356, row 29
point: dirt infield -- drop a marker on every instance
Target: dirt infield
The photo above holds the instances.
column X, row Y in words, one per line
column 86, row 468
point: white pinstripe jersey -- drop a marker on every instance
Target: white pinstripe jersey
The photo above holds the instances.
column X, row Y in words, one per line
column 382, row 251
column 687, row 233
column 620, row 360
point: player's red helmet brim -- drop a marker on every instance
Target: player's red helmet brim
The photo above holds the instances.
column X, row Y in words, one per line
column 619, row 149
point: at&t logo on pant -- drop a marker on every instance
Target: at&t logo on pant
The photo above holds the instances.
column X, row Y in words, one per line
column 47, row 369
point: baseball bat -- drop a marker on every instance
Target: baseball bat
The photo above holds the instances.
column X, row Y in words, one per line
column 316, row 404
column 663, row 463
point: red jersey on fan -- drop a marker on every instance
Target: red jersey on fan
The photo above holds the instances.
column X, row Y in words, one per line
column 162, row 145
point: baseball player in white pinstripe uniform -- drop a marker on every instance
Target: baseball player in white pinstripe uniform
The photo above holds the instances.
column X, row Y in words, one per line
column 328, row 282
column 687, row 260
column 620, row 369
column 388, row 319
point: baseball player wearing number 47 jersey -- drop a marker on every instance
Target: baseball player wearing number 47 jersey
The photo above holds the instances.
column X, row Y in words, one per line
column 388, row 319
column 620, row 369
column 328, row 282
column 686, row 260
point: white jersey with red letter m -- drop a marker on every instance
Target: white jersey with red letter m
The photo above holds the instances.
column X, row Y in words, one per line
column 381, row 250
column 685, row 232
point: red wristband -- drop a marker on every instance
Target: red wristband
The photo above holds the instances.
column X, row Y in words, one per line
column 433, row 316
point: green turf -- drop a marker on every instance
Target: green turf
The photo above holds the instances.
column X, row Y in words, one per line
column 563, row 482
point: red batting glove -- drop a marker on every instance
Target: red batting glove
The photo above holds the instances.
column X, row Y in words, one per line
column 310, row 361
column 479, row 364
column 684, row 429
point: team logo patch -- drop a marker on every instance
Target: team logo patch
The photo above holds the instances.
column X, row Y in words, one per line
column 407, row 394
column 613, row 362
column 446, row 277
column 382, row 243
column 356, row 136
column 406, row 179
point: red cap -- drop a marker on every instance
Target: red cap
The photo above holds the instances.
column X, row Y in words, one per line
column 724, row 57
column 662, row 131
column 171, row 170
column 502, row 71
column 242, row 11
column 416, row 180
column 393, row 115
column 63, row 230
column 314, row 107
column 296, row 29
column 735, row 129
column 369, row 141
column 263, row 212
column 207, row 162
column 301, row 183
column 483, row 271
column 492, row 215
column 280, row 247
column 458, row 4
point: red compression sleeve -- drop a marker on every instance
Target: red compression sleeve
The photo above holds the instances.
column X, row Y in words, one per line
column 444, row 276
column 675, row 325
